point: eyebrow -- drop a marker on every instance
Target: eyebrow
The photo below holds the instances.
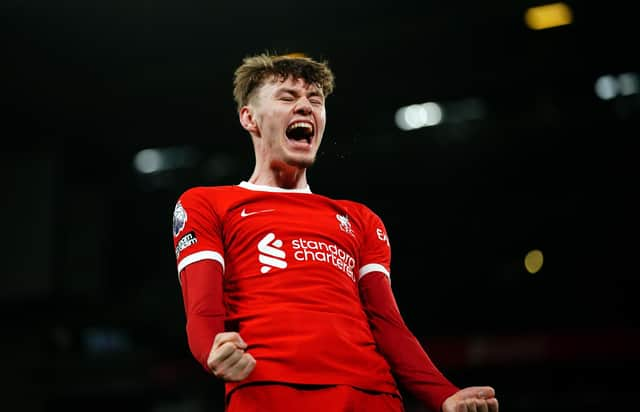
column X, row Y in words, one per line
column 313, row 92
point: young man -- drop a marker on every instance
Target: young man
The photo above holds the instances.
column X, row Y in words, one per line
column 287, row 293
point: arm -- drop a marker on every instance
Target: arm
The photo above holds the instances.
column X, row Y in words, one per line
column 409, row 363
column 219, row 352
column 408, row 360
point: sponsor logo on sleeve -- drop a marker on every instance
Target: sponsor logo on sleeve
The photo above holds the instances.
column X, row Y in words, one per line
column 382, row 236
column 185, row 241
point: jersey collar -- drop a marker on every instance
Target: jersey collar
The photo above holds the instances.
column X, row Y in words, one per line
column 264, row 188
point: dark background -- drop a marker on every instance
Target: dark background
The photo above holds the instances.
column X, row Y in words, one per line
column 91, row 306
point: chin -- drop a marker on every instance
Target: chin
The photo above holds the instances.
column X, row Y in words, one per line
column 302, row 163
column 301, row 160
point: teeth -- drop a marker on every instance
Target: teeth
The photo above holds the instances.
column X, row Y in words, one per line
column 300, row 124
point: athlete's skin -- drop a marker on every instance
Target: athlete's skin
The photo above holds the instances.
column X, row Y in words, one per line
column 280, row 161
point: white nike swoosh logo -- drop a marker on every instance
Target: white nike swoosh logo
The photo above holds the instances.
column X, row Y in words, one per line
column 244, row 213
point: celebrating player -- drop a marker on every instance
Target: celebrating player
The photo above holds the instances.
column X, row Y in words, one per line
column 287, row 292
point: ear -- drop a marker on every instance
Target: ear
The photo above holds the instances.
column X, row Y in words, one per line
column 247, row 120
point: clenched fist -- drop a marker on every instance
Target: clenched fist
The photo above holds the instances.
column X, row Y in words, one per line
column 472, row 399
column 228, row 359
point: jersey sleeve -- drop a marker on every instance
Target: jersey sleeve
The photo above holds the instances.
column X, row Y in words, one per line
column 201, row 285
column 200, row 263
column 409, row 362
column 375, row 252
column 196, row 229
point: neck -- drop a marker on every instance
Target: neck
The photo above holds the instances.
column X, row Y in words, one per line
column 281, row 175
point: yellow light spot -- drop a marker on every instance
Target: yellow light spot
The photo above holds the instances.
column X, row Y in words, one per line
column 533, row 261
column 547, row 16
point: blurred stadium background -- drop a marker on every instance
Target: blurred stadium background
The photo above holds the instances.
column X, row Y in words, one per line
column 496, row 139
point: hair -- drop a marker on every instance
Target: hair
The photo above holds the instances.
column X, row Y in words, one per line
column 256, row 70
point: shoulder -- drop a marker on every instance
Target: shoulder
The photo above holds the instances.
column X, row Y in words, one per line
column 207, row 194
column 199, row 191
column 358, row 208
column 205, row 199
column 361, row 214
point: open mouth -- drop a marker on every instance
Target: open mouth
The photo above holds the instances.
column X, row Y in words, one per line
column 300, row 131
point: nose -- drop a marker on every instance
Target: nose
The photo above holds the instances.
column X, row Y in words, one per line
column 303, row 106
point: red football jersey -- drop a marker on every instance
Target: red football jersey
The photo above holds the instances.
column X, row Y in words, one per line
column 291, row 260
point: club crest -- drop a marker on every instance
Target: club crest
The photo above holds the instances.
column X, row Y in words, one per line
column 345, row 225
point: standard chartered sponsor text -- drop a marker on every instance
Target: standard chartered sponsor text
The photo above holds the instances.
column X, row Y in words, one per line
column 312, row 250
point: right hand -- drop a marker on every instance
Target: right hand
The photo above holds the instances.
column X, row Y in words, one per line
column 228, row 359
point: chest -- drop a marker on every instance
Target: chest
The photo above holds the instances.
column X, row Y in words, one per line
column 271, row 234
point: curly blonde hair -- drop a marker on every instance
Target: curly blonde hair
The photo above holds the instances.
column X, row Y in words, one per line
column 255, row 70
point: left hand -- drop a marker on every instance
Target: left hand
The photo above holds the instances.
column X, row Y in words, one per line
column 472, row 399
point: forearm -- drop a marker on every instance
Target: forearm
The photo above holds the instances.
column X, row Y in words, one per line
column 201, row 284
column 408, row 360
column 413, row 368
